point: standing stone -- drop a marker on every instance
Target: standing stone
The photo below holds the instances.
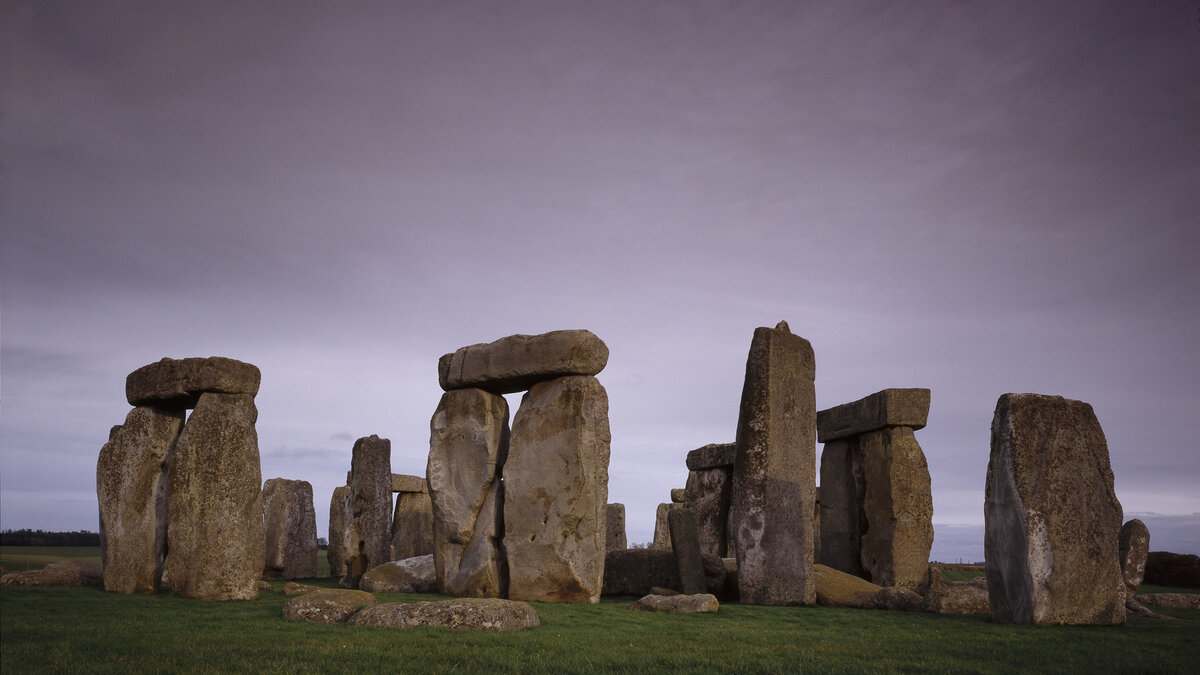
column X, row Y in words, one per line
column 710, row 478
column 686, row 547
column 369, row 544
column 412, row 526
column 614, row 527
column 556, row 491
column 215, row 509
column 1133, row 543
column 468, row 444
column 774, row 481
column 1051, row 517
column 842, row 519
column 662, row 528
column 131, row 487
column 340, row 515
column 517, row 362
column 290, row 522
column 898, row 504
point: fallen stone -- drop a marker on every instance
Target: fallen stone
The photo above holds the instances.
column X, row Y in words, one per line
column 898, row 507
column 405, row 483
column 369, row 540
column 131, row 488
column 887, row 408
column 896, row 598
column 293, row 588
column 413, row 575
column 61, row 573
column 328, row 605
column 614, row 527
column 774, row 475
column 468, row 444
column 678, row 495
column 491, row 614
column 215, row 510
column 957, row 598
column 1051, row 516
column 712, row 456
column 1135, row 608
column 838, row 589
column 686, row 548
column 290, row 523
column 340, row 515
column 412, row 526
column 265, row 586
column 1172, row 569
column 1133, row 542
column 1178, row 600
column 702, row 603
column 517, row 362
column 556, row 492
column 180, row 382
column 708, row 498
column 662, row 528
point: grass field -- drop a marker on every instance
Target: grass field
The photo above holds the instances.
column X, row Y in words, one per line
column 85, row 629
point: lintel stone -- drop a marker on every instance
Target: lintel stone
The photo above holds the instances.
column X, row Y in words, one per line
column 887, row 408
column 711, row 456
column 405, row 483
column 517, row 362
column 179, row 382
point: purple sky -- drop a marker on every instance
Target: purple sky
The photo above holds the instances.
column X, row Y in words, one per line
column 974, row 197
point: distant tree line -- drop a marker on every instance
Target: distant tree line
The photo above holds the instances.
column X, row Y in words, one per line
column 43, row 538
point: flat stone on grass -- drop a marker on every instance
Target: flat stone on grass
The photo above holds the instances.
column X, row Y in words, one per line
column 461, row 614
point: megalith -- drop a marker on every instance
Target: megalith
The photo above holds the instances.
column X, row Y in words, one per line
column 614, row 528
column 290, row 524
column 876, row 495
column 556, row 491
column 369, row 543
column 468, row 444
column 340, row 515
column 215, row 510
column 710, row 477
column 1051, row 517
column 178, row 383
column 662, row 528
column 131, row 487
column 774, row 477
column 412, row 521
column 686, row 548
column 1133, row 544
column 517, row 362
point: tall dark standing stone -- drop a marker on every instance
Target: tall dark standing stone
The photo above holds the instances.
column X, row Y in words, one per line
column 290, row 522
column 1134, row 547
column 370, row 506
column 662, row 528
column 340, row 515
column 774, row 476
column 131, row 487
column 842, row 519
column 215, row 510
column 614, row 527
column 1051, row 517
column 686, row 547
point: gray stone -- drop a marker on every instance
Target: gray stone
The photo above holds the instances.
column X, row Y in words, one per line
column 708, row 498
column 1176, row 600
column 614, row 527
column 290, row 523
column 887, row 408
column 842, row 520
column 328, row 605
column 60, row 573
column 677, row 604
column 1133, row 543
column 774, row 475
column 411, row 575
column 517, row 362
column 369, row 543
column 556, row 492
column 468, row 444
column 340, row 515
column 686, row 547
column 678, row 495
column 490, row 614
column 712, row 456
column 412, row 526
column 662, row 528
column 179, row 382
column 131, row 488
column 405, row 483
column 215, row 534
column 897, row 599
column 898, row 506
column 956, row 598
column 293, row 588
column 637, row 571
column 1051, row 517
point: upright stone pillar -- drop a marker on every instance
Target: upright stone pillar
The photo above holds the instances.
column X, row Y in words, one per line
column 1051, row 517
column 290, row 522
column 662, row 528
column 370, row 506
column 556, row 491
column 131, row 487
column 468, row 444
column 710, row 476
column 686, row 548
column 774, row 476
column 412, row 522
column 614, row 527
column 340, row 515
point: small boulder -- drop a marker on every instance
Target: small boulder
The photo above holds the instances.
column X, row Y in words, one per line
column 678, row 604
column 264, row 585
column 293, row 588
column 411, row 575
column 491, row 614
column 328, row 605
column 838, row 589
column 967, row 597
column 61, row 573
column 896, row 598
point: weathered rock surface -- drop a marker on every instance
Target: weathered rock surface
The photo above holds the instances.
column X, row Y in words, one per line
column 369, row 543
column 405, row 483
column 887, row 408
column 180, row 382
column 293, row 588
column 637, row 571
column 131, row 488
column 328, row 605
column 1051, row 516
column 678, row 495
column 957, row 598
column 842, row 519
column 677, row 604
column 412, row 526
column 774, row 474
column 468, row 445
column 264, row 585
column 215, row 509
column 614, row 527
column 707, row 495
column 686, row 548
column 1173, row 569
column 712, row 456
column 556, row 492
column 838, row 589
column 492, row 614
column 340, row 515
column 412, row 575
column 662, row 528
column 898, row 505
column 517, row 362
column 1133, row 542
column 290, row 523
column 61, row 573
column 897, row 599
column 1179, row 600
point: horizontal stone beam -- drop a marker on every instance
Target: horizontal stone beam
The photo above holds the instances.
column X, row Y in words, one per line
column 677, row 495
column 887, row 408
column 179, row 382
column 711, row 456
column 405, row 483
column 517, row 362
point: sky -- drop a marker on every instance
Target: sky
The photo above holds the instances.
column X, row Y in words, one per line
column 973, row 197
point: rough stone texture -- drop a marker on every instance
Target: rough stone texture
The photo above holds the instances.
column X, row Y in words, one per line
column 1051, row 516
column 1133, row 543
column 369, row 540
column 293, row 588
column 887, row 408
column 774, row 475
column 712, row 456
column 708, row 498
column 405, row 483
column 492, row 614
column 842, row 519
column 699, row 603
column 636, row 571
column 468, row 445
column 290, row 523
column 412, row 575
column 897, row 599
column 838, row 589
column 957, row 598
column 517, row 362
column 339, row 530
column 61, row 573
column 264, row 585
column 556, row 492
column 1178, row 600
column 898, row 506
column 328, row 605
column 678, row 495
column 662, row 528
column 131, row 488
column 659, row 590
column 215, row 509
column 1173, row 569
column 412, row 526
column 686, row 548
column 614, row 527
column 180, row 382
